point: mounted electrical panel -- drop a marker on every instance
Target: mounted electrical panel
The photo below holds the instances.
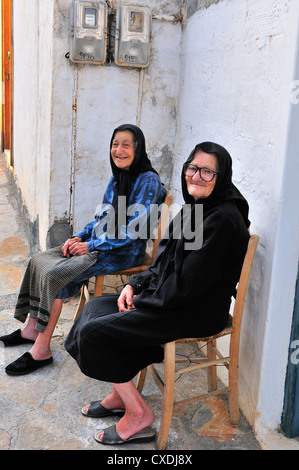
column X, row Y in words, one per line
column 133, row 30
column 89, row 32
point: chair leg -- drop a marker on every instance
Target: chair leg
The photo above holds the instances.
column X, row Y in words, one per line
column 233, row 395
column 212, row 370
column 141, row 379
column 168, row 396
column 81, row 303
column 99, row 285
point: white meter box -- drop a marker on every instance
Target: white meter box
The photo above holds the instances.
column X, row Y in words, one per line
column 133, row 30
column 89, row 32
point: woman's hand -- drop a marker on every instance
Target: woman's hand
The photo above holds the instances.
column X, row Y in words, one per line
column 74, row 247
column 125, row 300
column 78, row 249
column 67, row 244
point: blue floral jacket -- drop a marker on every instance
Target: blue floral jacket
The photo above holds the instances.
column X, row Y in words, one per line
column 127, row 247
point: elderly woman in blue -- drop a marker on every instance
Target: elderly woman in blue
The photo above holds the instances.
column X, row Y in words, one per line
column 115, row 240
column 115, row 233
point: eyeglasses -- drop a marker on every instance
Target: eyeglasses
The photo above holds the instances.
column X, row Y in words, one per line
column 205, row 174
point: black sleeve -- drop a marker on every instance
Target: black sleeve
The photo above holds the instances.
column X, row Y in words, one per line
column 201, row 268
column 141, row 281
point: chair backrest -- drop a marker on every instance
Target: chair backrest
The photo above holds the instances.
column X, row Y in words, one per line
column 243, row 282
column 163, row 221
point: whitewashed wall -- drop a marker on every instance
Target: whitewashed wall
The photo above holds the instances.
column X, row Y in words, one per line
column 33, row 33
column 26, row 100
column 61, row 153
column 105, row 97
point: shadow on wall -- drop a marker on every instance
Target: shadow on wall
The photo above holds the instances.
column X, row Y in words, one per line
column 194, row 5
column 164, row 165
column 58, row 233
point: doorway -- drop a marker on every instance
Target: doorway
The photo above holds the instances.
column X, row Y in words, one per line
column 7, row 78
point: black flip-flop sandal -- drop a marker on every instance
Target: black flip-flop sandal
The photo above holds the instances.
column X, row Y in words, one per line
column 111, row 436
column 97, row 410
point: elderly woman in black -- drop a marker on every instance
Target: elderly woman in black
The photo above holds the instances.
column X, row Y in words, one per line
column 114, row 338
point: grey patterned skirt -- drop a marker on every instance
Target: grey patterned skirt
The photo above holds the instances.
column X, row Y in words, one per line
column 46, row 274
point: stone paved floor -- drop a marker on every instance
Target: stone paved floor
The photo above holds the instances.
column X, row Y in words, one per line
column 41, row 411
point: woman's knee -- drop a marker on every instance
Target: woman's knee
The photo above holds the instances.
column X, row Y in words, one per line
column 91, row 336
column 102, row 305
column 84, row 335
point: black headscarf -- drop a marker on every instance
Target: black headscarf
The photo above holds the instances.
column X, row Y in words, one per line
column 224, row 190
column 141, row 163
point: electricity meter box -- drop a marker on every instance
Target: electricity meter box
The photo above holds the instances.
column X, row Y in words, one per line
column 89, row 32
column 133, row 30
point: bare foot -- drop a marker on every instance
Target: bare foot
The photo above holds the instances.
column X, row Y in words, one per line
column 112, row 401
column 131, row 423
column 29, row 334
column 39, row 353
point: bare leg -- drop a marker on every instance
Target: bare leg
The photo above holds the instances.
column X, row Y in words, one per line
column 41, row 348
column 29, row 331
column 113, row 400
column 138, row 414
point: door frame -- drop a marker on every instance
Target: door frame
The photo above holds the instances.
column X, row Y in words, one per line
column 7, row 77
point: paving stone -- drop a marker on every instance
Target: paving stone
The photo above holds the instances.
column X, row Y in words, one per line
column 13, row 247
column 10, row 279
column 4, row 440
column 37, row 432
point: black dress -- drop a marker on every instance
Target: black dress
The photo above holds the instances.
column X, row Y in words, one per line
column 114, row 346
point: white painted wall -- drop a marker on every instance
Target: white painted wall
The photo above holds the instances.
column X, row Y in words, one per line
column 61, row 155
column 33, row 31
column 45, row 112
column 105, row 97
column 237, row 62
column 284, row 271
column 26, row 99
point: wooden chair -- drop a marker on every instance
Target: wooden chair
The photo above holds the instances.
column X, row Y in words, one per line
column 147, row 260
column 213, row 359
